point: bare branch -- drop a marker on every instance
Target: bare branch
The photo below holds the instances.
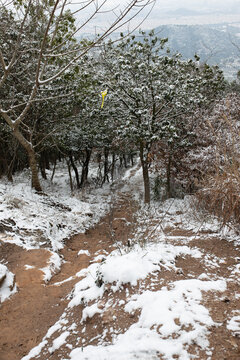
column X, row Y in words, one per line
column 45, row 40
column 118, row 23
column 45, row 137
column 58, row 21
column 88, row 3
column 2, row 61
column 15, row 107
column 7, row 118
column 77, row 29
column 6, row 3
column 120, row 20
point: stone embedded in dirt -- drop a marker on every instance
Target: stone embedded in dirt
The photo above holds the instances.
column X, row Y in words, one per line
column 131, row 315
column 179, row 272
column 2, row 277
column 89, row 214
column 226, row 300
column 3, row 273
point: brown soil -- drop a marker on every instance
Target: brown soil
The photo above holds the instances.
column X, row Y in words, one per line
column 26, row 317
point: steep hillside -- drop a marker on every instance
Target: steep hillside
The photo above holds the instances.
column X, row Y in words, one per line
column 216, row 44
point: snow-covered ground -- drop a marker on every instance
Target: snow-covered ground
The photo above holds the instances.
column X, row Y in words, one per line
column 7, row 285
column 31, row 220
column 171, row 317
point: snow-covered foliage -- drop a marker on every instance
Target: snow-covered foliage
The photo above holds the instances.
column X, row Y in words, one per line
column 154, row 93
column 155, row 88
column 31, row 220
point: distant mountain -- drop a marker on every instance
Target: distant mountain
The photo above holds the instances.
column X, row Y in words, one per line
column 213, row 43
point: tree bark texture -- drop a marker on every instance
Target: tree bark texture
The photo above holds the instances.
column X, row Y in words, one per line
column 144, row 163
column 106, row 165
column 169, row 164
column 31, row 158
column 85, row 167
column 75, row 170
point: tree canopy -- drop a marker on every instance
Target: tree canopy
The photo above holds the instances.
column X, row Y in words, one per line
column 51, row 87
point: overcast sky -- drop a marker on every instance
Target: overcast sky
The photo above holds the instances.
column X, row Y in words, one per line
column 167, row 12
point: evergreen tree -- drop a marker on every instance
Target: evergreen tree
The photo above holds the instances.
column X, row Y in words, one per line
column 151, row 90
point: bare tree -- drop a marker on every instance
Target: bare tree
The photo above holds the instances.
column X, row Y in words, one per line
column 39, row 44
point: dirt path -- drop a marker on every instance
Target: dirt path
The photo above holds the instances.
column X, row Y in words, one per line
column 219, row 261
column 225, row 345
column 26, row 317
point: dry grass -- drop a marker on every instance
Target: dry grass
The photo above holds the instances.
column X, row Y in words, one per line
column 221, row 196
column 220, row 192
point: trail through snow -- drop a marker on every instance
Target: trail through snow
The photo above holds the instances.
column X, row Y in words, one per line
column 167, row 291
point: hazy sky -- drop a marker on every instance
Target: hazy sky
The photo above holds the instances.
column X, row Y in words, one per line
column 168, row 12
column 196, row 4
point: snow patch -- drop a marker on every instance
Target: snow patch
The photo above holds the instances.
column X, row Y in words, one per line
column 137, row 264
column 28, row 267
column 83, row 252
column 54, row 265
column 59, row 341
column 130, row 267
column 7, row 284
column 234, row 324
column 159, row 329
column 90, row 311
column 35, row 351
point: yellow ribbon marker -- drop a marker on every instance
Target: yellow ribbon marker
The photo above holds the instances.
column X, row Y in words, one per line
column 104, row 93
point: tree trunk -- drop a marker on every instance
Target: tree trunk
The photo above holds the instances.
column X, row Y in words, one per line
column 31, row 158
column 125, row 161
column 145, row 172
column 54, row 168
column 70, row 175
column 85, row 167
column 169, row 190
column 34, row 169
column 42, row 164
column 132, row 159
column 106, row 168
column 75, row 170
column 10, row 170
column 113, row 165
column 47, row 162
